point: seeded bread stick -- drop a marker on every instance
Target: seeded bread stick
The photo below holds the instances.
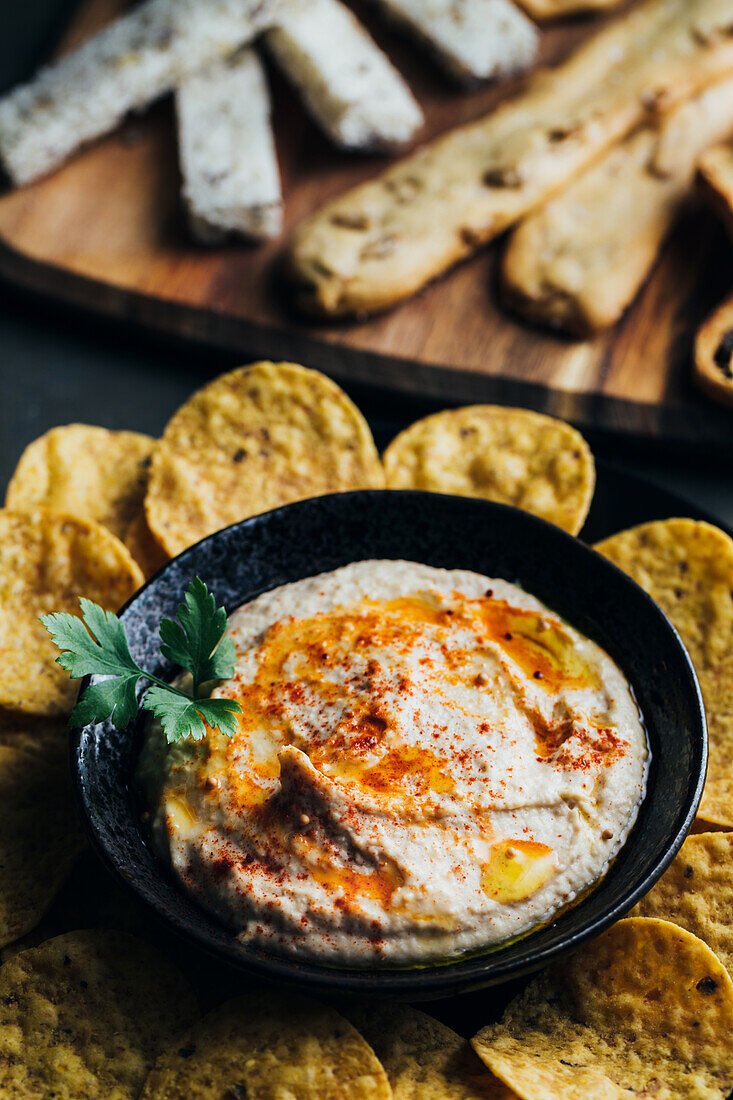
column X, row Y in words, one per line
column 349, row 86
column 578, row 262
column 385, row 239
column 713, row 365
column 471, row 39
column 123, row 68
column 553, row 9
column 716, row 181
column 231, row 181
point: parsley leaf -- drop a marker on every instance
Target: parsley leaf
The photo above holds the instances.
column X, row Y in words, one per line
column 97, row 643
column 184, row 717
column 191, row 642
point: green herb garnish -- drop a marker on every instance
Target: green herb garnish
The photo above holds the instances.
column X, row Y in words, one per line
column 97, row 643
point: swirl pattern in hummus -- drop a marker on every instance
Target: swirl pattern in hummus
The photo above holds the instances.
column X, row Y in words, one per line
column 427, row 762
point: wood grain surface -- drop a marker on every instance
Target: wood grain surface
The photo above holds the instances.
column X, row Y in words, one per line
column 107, row 232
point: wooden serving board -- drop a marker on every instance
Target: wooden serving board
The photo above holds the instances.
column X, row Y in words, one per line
column 107, row 232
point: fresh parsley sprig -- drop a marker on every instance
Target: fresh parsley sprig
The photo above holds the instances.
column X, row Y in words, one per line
column 97, row 643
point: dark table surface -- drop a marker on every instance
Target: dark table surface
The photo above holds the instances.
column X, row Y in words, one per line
column 58, row 365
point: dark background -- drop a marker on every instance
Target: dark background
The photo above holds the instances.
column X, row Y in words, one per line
column 59, row 365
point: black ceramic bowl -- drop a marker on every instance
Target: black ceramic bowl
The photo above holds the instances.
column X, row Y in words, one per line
column 312, row 536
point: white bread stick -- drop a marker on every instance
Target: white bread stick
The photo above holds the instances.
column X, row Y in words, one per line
column 471, row 39
column 127, row 65
column 349, row 86
column 231, row 181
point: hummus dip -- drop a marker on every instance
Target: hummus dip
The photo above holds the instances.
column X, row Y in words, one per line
column 427, row 762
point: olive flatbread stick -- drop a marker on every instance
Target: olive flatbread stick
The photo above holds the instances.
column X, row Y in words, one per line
column 131, row 62
column 84, row 471
column 713, row 361
column 269, row 1046
column 552, row 9
column 716, row 181
column 347, row 83
column 471, row 39
column 231, row 180
column 387, row 238
column 644, row 1010
column 578, row 262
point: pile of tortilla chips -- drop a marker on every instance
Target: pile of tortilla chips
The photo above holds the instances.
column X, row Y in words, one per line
column 645, row 1010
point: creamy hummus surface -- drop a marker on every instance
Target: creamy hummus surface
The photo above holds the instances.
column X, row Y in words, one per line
column 427, row 762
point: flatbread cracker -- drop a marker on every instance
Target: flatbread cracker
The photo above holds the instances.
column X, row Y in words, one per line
column 251, row 440
column 696, row 892
column 270, row 1047
column 145, row 550
column 47, row 561
column 424, row 1059
column 84, row 1016
column 84, row 471
column 513, row 456
column 579, row 261
column 40, row 836
column 646, row 1009
column 715, row 173
column 713, row 358
column 687, row 567
column 384, row 240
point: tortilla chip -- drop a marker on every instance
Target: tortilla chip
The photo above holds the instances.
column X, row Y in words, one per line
column 269, row 1047
column 84, row 471
column 687, row 567
column 254, row 439
column 512, row 456
column 40, row 838
column 424, row 1059
column 85, row 1015
column 47, row 562
column 696, row 892
column 143, row 547
column 646, row 1009
column 26, row 731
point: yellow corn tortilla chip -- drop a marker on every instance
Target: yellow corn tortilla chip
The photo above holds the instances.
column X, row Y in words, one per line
column 26, row 731
column 512, row 456
column 143, row 547
column 687, row 567
column 646, row 1009
column 273, row 1048
column 47, row 562
column 696, row 892
column 424, row 1059
column 84, row 471
column 253, row 439
column 84, row 1016
column 40, row 836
